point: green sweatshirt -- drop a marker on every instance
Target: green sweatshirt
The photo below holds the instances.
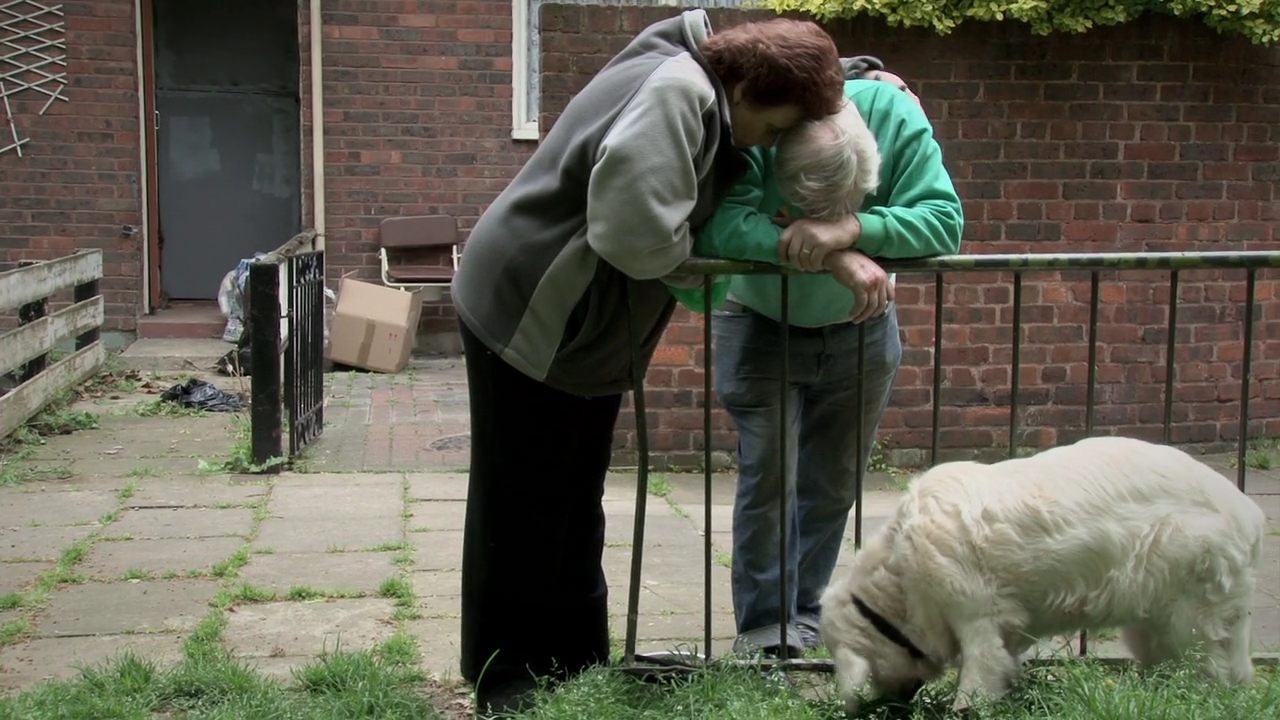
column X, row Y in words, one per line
column 915, row 212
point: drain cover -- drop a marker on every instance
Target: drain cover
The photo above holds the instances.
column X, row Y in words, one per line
column 452, row 442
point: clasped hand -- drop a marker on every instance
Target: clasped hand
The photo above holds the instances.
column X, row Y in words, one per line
column 806, row 243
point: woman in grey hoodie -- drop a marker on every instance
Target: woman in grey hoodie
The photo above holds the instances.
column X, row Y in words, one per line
column 560, row 287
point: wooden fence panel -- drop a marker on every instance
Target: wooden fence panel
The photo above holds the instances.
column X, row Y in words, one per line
column 24, row 285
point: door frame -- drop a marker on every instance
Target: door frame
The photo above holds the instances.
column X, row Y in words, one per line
column 149, row 151
column 149, row 156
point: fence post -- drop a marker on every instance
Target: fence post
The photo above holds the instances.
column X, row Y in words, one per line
column 266, row 411
column 28, row 314
column 82, row 292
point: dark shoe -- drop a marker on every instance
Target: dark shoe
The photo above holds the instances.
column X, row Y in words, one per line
column 503, row 699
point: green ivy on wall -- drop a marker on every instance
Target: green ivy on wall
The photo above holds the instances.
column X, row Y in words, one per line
column 1258, row 20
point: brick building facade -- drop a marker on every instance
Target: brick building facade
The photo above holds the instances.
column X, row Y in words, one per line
column 1159, row 135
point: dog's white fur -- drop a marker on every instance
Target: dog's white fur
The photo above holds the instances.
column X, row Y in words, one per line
column 981, row 561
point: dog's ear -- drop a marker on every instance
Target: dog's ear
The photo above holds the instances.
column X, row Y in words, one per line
column 852, row 673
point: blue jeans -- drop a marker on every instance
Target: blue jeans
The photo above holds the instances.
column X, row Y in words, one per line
column 821, row 447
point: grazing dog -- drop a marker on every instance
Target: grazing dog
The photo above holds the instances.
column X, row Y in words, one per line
column 981, row 561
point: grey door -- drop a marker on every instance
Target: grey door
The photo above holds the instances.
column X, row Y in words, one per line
column 229, row 136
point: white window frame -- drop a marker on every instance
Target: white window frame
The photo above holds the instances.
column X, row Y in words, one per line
column 524, row 66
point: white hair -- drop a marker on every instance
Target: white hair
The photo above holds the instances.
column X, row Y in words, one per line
column 827, row 167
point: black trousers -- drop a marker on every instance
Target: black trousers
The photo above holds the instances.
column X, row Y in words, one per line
column 534, row 598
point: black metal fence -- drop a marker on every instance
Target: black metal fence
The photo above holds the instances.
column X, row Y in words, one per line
column 1249, row 263
column 286, row 338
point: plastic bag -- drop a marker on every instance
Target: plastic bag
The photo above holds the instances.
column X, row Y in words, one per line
column 231, row 300
column 202, row 395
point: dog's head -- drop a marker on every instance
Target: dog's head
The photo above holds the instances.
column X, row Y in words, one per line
column 867, row 661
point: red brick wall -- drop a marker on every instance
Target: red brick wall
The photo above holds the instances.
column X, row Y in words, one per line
column 77, row 183
column 1160, row 135
column 417, row 99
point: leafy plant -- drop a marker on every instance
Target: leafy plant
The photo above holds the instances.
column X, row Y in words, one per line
column 1258, row 20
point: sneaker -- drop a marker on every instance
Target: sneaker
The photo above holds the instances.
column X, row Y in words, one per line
column 810, row 634
column 764, row 641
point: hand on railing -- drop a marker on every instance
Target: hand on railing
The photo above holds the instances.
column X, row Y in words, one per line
column 806, row 243
column 868, row 281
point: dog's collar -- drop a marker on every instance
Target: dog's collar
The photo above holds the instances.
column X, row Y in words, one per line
column 886, row 628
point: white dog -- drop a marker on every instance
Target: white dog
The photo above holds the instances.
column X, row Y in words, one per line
column 981, row 561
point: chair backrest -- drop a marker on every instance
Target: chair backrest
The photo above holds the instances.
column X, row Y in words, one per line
column 418, row 231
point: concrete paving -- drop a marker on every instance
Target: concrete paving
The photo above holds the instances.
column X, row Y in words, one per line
column 136, row 538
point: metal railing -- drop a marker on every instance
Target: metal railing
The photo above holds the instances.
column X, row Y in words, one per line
column 1250, row 262
column 286, row 341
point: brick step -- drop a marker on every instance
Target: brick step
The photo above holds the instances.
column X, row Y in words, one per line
column 187, row 321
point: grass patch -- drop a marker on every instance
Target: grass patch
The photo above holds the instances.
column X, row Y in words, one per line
column 18, row 462
column 1079, row 690
column 302, row 593
column 160, row 408
column 1261, row 454
column 229, row 567
column 209, row 684
column 659, row 485
column 12, row 601
column 58, row 419
column 398, row 589
column 13, row 630
column 240, row 458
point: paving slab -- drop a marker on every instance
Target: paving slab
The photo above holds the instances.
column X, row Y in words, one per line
column 306, row 535
column 27, row 663
column 440, row 606
column 60, row 507
column 438, row 641
column 16, row 576
column 355, row 502
column 341, row 479
column 40, row 543
column 113, row 560
column 689, row 490
column 436, row 550
column 306, row 629
column 436, row 588
column 126, row 607
column 196, row 492
column 345, row 572
column 125, row 463
column 655, row 626
column 179, row 522
column 173, row 354
column 437, row 515
column 437, row 486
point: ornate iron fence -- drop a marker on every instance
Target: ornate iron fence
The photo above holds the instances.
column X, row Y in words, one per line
column 286, row 339
column 1249, row 262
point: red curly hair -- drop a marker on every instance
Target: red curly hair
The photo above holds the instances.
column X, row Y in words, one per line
column 779, row 62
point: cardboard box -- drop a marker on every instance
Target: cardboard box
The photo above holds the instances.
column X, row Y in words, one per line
column 373, row 326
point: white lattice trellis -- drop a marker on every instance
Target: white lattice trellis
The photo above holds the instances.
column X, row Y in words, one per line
column 32, row 56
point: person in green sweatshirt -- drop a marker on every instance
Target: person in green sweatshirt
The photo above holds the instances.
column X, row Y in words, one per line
column 906, row 208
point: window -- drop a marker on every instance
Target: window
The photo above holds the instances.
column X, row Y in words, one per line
column 526, row 52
